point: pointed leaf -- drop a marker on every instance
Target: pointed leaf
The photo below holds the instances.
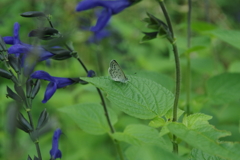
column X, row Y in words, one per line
column 197, row 154
column 205, row 140
column 139, row 97
column 13, row 95
column 33, row 14
column 5, row 74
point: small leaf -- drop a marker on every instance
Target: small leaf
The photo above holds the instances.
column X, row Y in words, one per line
column 45, row 33
column 42, row 120
column 3, row 46
column 14, row 62
column 29, row 158
column 5, row 74
column 20, row 92
column 23, row 124
column 33, row 14
column 139, row 97
column 29, row 85
column 36, row 88
column 90, row 117
column 13, row 95
column 149, row 36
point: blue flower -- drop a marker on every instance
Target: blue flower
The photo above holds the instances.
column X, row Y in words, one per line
column 110, row 8
column 18, row 47
column 55, row 83
column 55, row 152
column 98, row 36
column 91, row 73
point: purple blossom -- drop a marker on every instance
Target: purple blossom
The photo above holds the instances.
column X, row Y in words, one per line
column 110, row 8
column 55, row 152
column 18, row 47
column 55, row 83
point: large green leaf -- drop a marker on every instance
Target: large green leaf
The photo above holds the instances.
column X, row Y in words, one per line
column 229, row 36
column 148, row 152
column 139, row 97
column 90, row 117
column 224, row 88
column 206, row 139
column 197, row 154
column 138, row 134
column 161, row 79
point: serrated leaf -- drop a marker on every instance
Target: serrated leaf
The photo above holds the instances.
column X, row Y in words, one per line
column 137, row 134
column 197, row 154
column 161, row 79
column 224, row 88
column 197, row 120
column 139, row 97
column 206, row 141
column 150, row 153
column 90, row 117
column 231, row 37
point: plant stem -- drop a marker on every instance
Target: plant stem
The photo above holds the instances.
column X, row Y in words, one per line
column 32, row 124
column 104, row 107
column 178, row 73
column 38, row 150
column 188, row 69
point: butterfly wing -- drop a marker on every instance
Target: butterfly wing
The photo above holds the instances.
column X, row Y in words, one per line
column 116, row 72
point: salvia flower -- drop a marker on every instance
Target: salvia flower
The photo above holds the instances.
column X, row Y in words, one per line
column 111, row 7
column 98, row 36
column 18, row 48
column 55, row 152
column 55, row 83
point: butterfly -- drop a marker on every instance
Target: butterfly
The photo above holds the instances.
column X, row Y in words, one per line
column 116, row 72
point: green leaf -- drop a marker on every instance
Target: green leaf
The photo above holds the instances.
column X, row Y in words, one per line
column 202, row 26
column 150, row 153
column 90, row 117
column 139, row 97
column 224, row 88
column 197, row 120
column 206, row 139
column 161, row 79
column 157, row 122
column 229, row 36
column 197, row 154
column 138, row 134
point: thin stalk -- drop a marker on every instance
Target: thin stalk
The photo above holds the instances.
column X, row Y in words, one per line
column 178, row 73
column 188, row 69
column 103, row 104
column 38, row 150
column 32, row 124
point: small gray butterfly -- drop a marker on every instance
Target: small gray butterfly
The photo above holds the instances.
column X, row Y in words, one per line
column 116, row 72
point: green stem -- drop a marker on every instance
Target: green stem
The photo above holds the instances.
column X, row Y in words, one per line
column 104, row 106
column 38, row 150
column 32, row 124
column 188, row 69
column 178, row 72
